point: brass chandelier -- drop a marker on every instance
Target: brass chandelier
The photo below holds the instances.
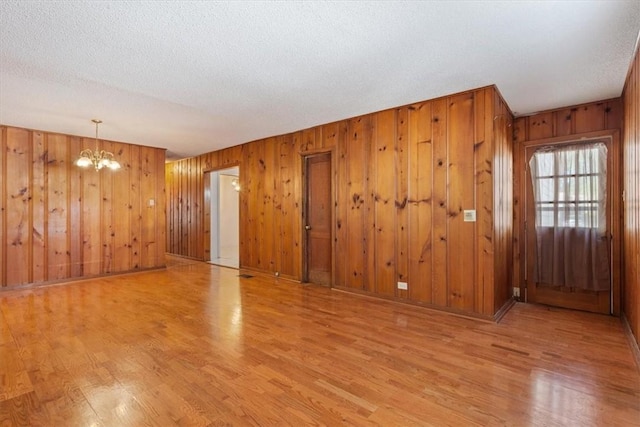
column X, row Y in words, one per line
column 99, row 158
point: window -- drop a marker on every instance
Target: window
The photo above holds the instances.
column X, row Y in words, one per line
column 569, row 185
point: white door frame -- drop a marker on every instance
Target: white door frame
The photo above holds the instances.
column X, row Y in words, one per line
column 214, row 211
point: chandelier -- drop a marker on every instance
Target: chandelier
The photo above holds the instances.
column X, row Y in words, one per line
column 99, row 158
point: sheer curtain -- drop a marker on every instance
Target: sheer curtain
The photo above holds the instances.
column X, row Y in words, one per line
column 572, row 245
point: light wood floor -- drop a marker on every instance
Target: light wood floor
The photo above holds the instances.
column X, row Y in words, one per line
column 196, row 345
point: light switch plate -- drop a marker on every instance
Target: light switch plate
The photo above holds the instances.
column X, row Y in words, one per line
column 470, row 215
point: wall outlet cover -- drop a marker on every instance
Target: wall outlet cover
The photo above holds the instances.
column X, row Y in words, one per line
column 403, row 286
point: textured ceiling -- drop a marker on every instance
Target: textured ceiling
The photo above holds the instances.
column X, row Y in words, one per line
column 194, row 77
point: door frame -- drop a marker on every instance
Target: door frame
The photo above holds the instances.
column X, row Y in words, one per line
column 206, row 223
column 616, row 202
column 304, row 155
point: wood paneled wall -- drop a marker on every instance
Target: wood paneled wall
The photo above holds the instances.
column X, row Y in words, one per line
column 403, row 178
column 631, row 206
column 564, row 122
column 60, row 221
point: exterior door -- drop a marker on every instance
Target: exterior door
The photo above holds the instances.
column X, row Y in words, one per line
column 567, row 207
column 318, row 218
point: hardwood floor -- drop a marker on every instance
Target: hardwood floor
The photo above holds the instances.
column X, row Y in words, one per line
column 197, row 345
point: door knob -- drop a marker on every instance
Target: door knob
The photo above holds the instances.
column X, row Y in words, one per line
column 307, row 227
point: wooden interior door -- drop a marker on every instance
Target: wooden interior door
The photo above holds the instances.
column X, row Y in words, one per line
column 318, row 218
column 577, row 299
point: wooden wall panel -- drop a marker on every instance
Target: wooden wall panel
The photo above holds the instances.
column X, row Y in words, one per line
column 122, row 236
column 440, row 231
column 342, row 207
column 253, row 193
column 175, row 210
column 3, row 211
column 288, row 246
column 17, row 238
column 631, row 206
column 369, row 173
column 107, row 229
column 563, row 122
column 39, row 161
column 198, row 208
column 206, row 208
column 419, row 204
column 186, row 181
column 503, row 208
column 403, row 178
column 61, row 222
column 282, row 241
column 91, row 220
column 485, row 212
column 542, row 125
column 384, row 196
column 135, row 207
column 182, row 239
column 271, row 226
column 74, row 224
column 159, row 209
column 590, row 117
column 188, row 202
column 263, row 249
column 295, row 213
column 461, row 235
column 188, row 239
column 331, row 134
column 310, row 139
column 357, row 159
column 58, row 250
column 401, row 199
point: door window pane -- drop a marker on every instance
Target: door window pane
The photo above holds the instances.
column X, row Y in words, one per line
column 570, row 186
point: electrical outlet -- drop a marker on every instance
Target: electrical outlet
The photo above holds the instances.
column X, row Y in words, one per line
column 403, row 286
column 516, row 292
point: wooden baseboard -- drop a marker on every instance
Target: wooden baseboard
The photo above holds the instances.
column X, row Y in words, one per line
column 635, row 350
column 436, row 308
column 504, row 309
column 460, row 313
column 29, row 286
column 267, row 274
column 185, row 257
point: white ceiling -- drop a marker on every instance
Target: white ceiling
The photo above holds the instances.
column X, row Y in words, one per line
column 196, row 76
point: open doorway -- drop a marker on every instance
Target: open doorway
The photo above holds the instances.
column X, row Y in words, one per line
column 224, row 218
